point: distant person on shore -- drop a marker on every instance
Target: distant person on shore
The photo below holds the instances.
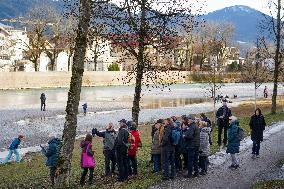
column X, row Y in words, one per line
column 233, row 141
column 13, row 149
column 85, row 107
column 257, row 126
column 52, row 153
column 109, row 137
column 87, row 160
column 265, row 92
column 223, row 115
column 42, row 102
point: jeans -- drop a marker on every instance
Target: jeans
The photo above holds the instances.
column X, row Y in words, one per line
column 122, row 163
column 192, row 162
column 42, row 106
column 185, row 159
column 52, row 174
column 168, row 158
column 11, row 152
column 255, row 147
column 203, row 162
column 84, row 174
column 157, row 162
column 222, row 126
column 178, row 162
column 109, row 159
column 234, row 159
column 132, row 165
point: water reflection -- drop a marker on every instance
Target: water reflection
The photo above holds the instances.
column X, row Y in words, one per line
column 172, row 102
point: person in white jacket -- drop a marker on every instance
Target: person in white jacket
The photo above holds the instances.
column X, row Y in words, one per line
column 204, row 149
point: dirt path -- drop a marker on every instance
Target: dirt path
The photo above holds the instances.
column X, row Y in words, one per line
column 250, row 172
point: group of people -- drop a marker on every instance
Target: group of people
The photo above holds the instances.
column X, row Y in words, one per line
column 177, row 144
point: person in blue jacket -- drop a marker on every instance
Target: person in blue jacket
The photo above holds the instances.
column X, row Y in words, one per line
column 13, row 149
column 233, row 141
column 52, row 154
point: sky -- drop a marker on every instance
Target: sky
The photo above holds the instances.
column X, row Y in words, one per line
column 212, row 5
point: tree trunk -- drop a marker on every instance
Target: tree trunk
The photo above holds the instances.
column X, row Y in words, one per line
column 35, row 64
column 276, row 58
column 255, row 87
column 69, row 132
column 137, row 95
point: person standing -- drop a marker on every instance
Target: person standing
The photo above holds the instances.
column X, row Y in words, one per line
column 155, row 148
column 192, row 139
column 168, row 151
column 109, row 137
column 13, row 149
column 52, row 153
column 87, row 160
column 42, row 101
column 85, row 107
column 132, row 152
column 223, row 115
column 183, row 150
column 257, row 126
column 121, row 147
column 203, row 117
column 233, row 141
column 265, row 92
column 204, row 150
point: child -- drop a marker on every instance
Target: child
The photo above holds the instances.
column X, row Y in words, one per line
column 132, row 160
column 204, row 149
column 85, row 107
column 52, row 153
column 87, row 159
column 13, row 149
column 233, row 141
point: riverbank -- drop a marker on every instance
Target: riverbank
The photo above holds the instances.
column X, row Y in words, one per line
column 33, row 173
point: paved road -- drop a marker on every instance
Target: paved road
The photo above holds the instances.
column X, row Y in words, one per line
column 250, row 172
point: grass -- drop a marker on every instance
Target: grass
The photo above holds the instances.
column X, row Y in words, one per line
column 272, row 184
column 34, row 174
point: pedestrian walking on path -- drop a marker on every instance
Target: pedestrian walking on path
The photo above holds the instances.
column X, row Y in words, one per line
column 257, row 126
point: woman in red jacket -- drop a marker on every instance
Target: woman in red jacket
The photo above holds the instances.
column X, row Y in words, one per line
column 132, row 160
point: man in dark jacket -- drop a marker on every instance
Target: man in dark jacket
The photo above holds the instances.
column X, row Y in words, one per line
column 223, row 115
column 109, row 137
column 168, row 150
column 121, row 147
column 257, row 126
column 192, row 140
column 52, row 153
column 42, row 102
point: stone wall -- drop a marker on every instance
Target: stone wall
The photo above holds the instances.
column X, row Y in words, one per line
column 25, row 80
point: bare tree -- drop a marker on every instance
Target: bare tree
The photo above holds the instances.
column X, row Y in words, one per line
column 69, row 132
column 255, row 70
column 273, row 30
column 145, row 28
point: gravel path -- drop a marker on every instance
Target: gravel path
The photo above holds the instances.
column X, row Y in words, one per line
column 250, row 172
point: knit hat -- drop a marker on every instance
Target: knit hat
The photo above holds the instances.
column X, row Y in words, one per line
column 160, row 121
column 191, row 117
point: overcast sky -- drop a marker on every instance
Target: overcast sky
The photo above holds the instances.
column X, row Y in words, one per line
column 212, row 5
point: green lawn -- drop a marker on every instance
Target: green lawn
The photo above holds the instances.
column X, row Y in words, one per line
column 34, row 174
column 273, row 184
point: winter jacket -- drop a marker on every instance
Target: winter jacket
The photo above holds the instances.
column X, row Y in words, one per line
column 166, row 141
column 257, row 125
column 233, row 140
column 204, row 148
column 121, row 142
column 84, row 144
column 109, row 138
column 15, row 144
column 226, row 112
column 182, row 148
column 134, row 147
column 156, row 148
column 52, row 152
column 42, row 98
column 192, row 136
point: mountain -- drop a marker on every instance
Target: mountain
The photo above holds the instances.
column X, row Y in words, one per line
column 245, row 19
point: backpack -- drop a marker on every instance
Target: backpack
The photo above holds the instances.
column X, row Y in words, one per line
column 176, row 135
column 241, row 134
